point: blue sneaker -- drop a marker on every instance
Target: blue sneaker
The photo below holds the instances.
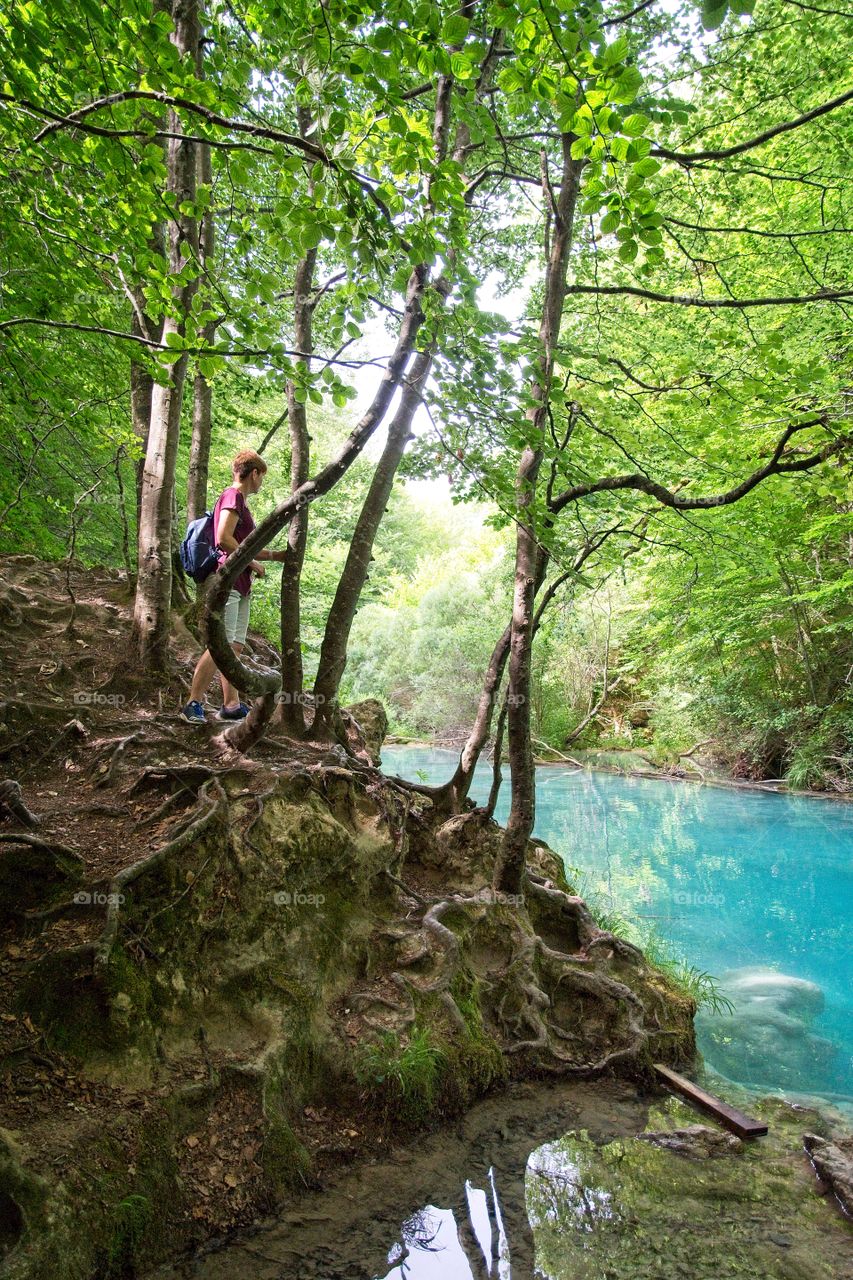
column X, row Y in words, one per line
column 236, row 713
column 193, row 713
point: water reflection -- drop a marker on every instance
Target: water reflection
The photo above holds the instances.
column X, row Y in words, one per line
column 730, row 880
column 470, row 1244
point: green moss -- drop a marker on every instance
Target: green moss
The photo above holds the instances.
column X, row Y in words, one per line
column 130, row 1221
column 70, row 1009
column 284, row 1160
column 633, row 1208
column 123, row 977
column 476, row 1062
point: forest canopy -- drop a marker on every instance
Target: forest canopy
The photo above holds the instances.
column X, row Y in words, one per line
column 593, row 262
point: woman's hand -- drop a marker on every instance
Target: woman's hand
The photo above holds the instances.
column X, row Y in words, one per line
column 258, row 568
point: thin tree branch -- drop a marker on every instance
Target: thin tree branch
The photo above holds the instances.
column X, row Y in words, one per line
column 724, row 153
column 779, row 464
column 684, row 300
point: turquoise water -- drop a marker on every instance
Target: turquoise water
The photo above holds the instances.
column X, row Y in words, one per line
column 752, row 887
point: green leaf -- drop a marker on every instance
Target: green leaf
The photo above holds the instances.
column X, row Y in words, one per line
column 635, row 124
column 645, row 168
column 616, row 52
column 455, row 29
column 628, row 251
column 610, row 222
column 713, row 15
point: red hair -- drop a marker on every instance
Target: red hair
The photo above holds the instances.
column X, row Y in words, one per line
column 246, row 462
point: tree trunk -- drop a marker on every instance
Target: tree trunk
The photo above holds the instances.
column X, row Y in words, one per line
column 141, row 388
column 509, row 869
column 199, row 463
column 291, row 711
column 333, row 652
column 154, row 584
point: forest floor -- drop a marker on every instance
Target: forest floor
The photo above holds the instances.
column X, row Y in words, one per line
column 76, row 708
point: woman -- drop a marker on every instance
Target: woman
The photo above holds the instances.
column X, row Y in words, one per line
column 232, row 522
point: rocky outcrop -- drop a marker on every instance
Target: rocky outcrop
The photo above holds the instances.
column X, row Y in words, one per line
column 833, row 1162
column 366, row 724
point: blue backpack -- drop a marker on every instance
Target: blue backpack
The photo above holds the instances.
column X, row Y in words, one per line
column 198, row 549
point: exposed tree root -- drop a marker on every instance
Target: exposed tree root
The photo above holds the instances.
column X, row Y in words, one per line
column 187, row 776
column 538, row 1003
column 187, row 836
column 412, row 893
column 405, row 1010
column 160, row 812
column 12, row 804
column 46, row 846
column 102, row 769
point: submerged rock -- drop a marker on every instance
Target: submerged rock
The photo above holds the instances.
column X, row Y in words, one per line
column 696, row 1140
column 768, row 1040
column 763, row 987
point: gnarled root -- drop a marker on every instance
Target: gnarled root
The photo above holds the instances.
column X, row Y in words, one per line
column 533, row 985
column 12, row 804
column 404, row 1011
column 212, row 802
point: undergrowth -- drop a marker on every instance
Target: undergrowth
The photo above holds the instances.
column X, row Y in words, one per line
column 406, row 1076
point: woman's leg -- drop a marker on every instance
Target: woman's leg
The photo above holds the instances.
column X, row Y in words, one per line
column 237, row 615
column 202, row 676
column 230, row 696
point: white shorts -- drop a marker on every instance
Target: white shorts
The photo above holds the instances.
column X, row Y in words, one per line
column 236, row 617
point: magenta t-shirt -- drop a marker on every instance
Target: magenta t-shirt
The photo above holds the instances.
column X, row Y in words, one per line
column 233, row 500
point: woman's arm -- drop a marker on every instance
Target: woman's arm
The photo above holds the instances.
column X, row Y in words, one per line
column 225, row 530
column 225, row 539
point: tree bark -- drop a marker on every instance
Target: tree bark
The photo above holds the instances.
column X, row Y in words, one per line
column 199, row 463
column 509, row 868
column 154, row 584
column 141, row 388
column 291, row 710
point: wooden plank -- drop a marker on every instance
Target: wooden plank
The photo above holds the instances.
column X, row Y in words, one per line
column 744, row 1126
